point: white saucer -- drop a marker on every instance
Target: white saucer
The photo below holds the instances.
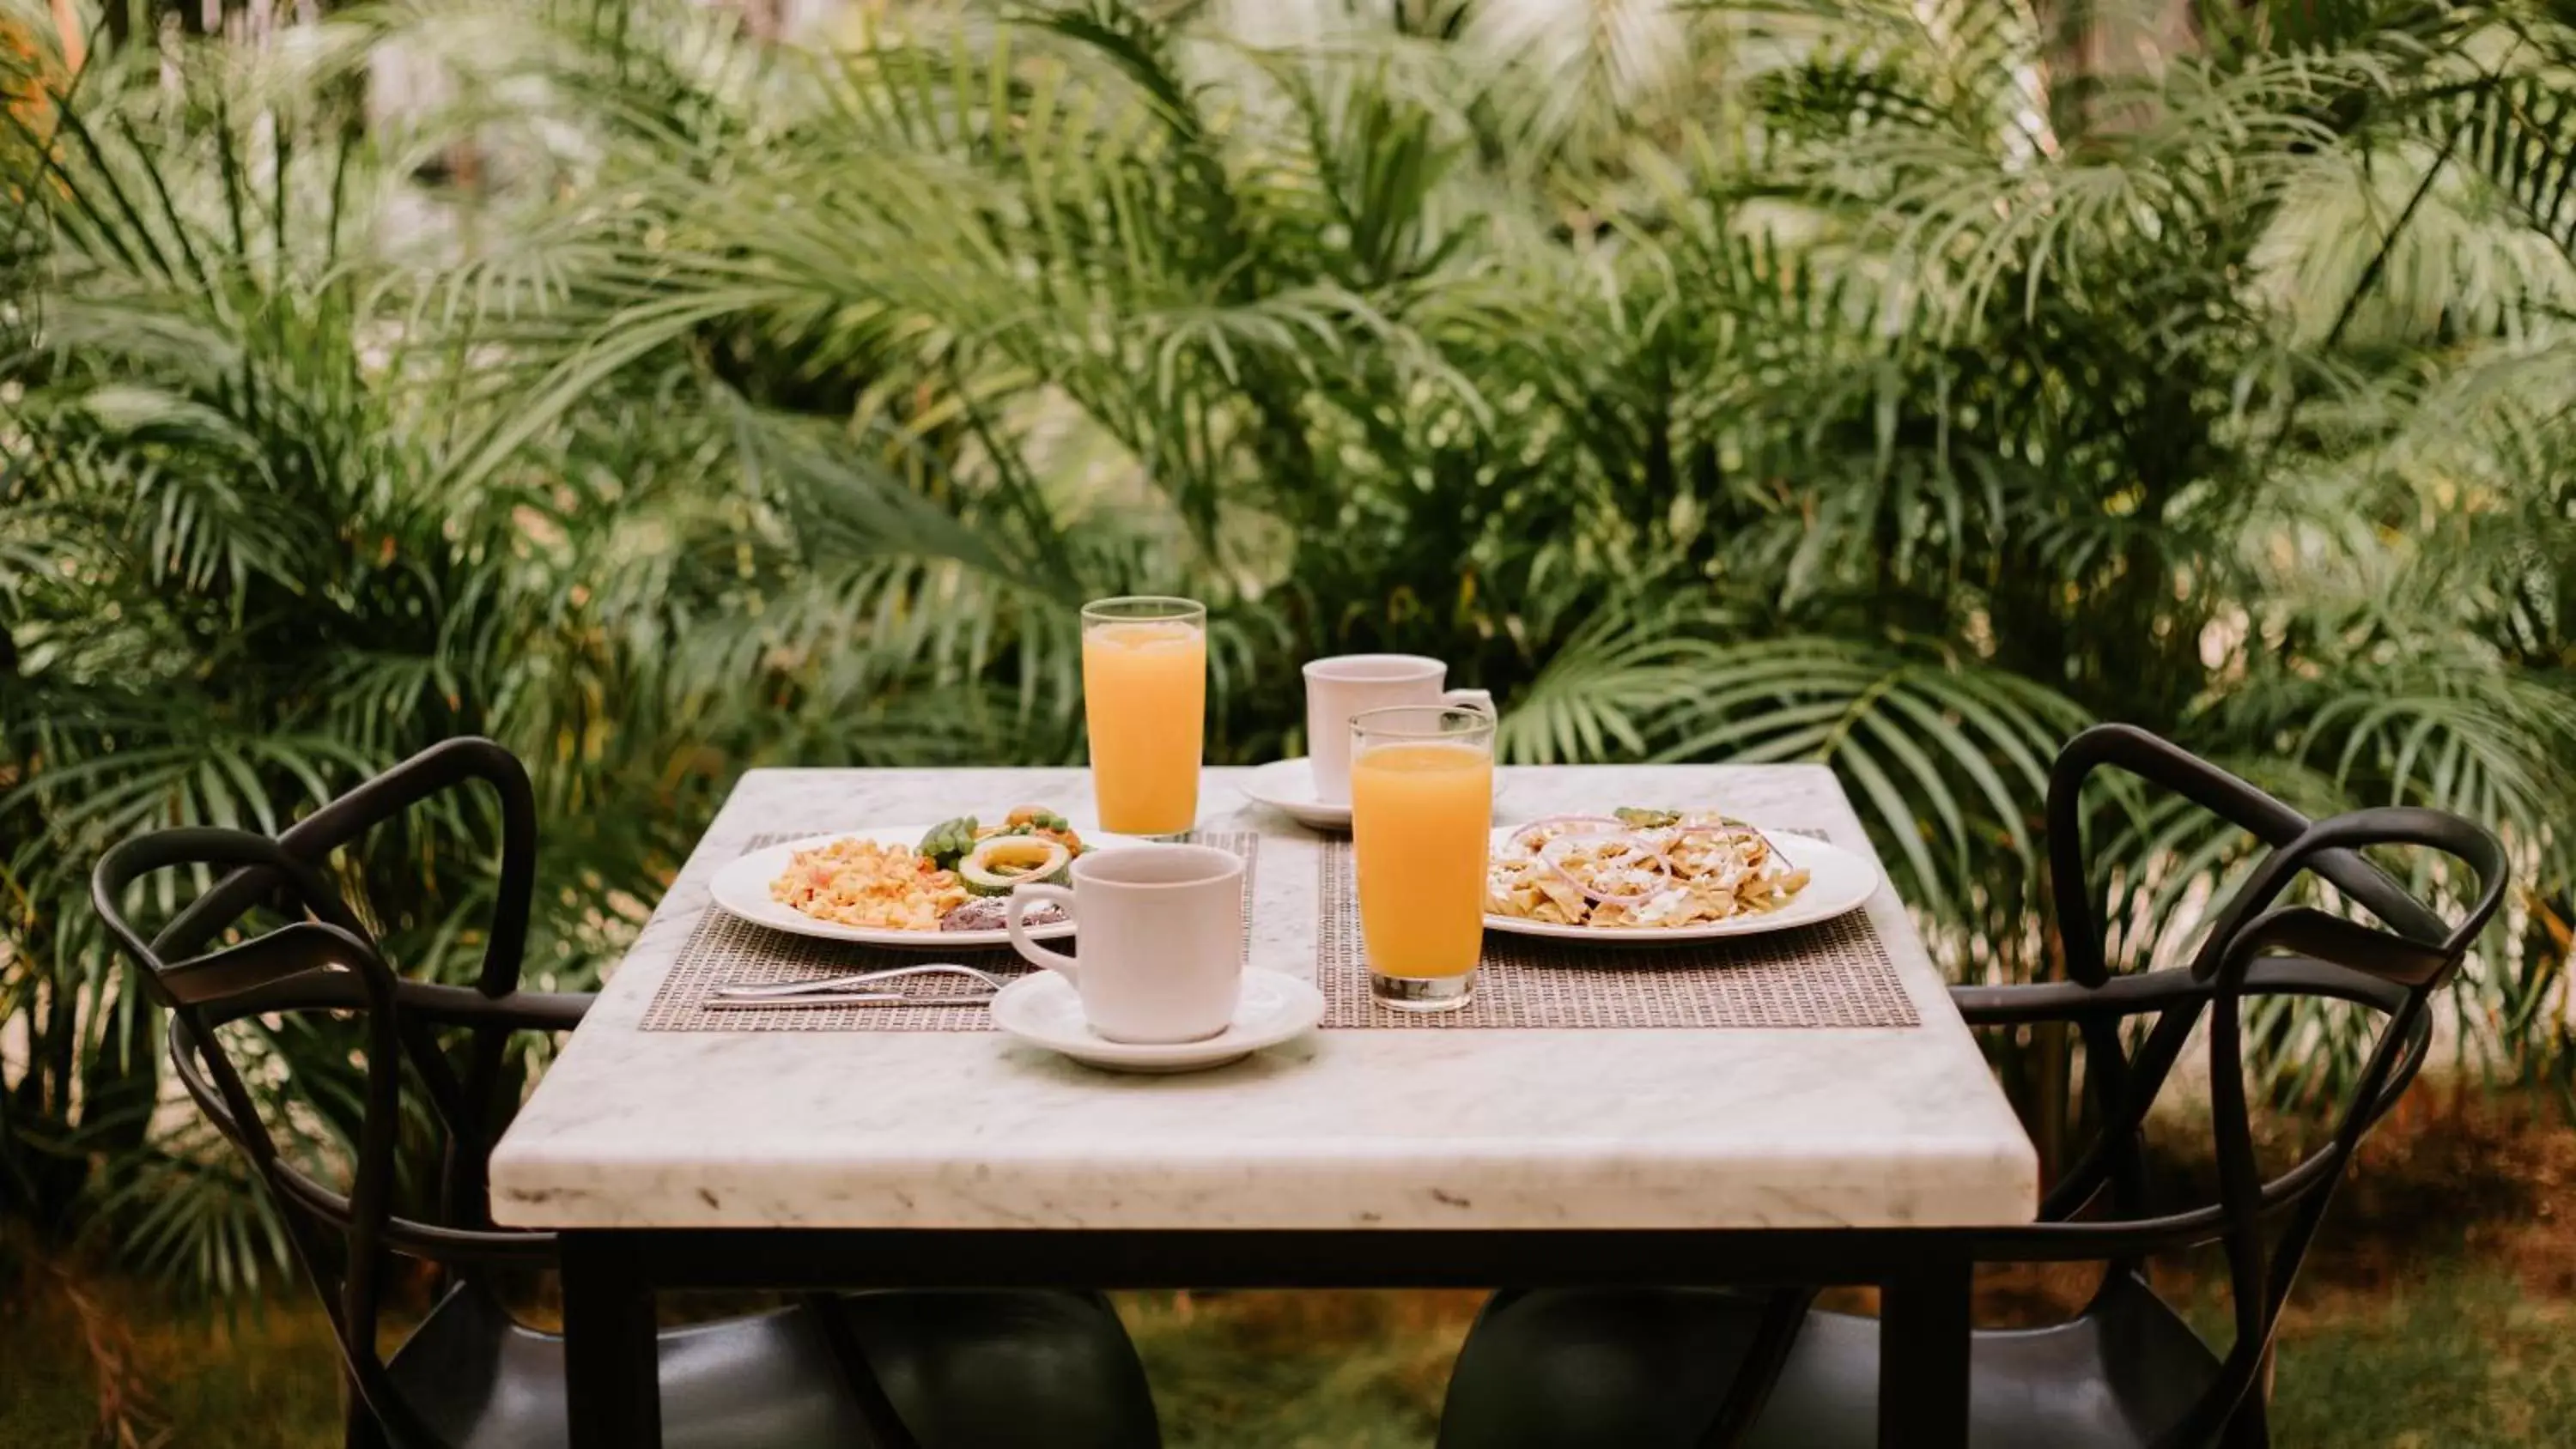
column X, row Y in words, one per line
column 1288, row 786
column 1043, row 1009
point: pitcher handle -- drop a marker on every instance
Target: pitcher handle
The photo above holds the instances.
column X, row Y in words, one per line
column 1475, row 699
column 1022, row 898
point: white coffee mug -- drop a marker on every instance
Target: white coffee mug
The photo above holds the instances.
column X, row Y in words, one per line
column 1345, row 684
column 1161, row 934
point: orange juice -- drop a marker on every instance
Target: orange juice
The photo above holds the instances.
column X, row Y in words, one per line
column 1421, row 818
column 1144, row 692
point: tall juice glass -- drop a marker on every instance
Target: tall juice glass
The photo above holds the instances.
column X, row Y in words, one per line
column 1144, row 695
column 1422, row 817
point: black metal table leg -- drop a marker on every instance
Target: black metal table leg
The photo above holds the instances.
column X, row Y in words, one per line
column 612, row 1380
column 1923, row 1357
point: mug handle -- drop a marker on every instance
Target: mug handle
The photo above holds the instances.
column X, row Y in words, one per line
column 1475, row 699
column 1023, row 897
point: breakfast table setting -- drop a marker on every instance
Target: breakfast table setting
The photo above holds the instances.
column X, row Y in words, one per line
column 1386, row 1015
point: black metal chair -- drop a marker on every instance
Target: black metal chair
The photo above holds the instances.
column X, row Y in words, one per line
column 874, row 1370
column 1643, row 1369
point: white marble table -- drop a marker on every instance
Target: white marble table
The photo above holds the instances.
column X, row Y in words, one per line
column 1365, row 1137
column 1894, row 1127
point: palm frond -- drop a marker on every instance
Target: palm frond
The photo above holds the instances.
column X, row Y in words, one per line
column 1948, row 759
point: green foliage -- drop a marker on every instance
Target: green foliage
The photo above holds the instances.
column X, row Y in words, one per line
column 1835, row 388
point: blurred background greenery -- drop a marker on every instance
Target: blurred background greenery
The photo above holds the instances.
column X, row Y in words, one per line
column 667, row 388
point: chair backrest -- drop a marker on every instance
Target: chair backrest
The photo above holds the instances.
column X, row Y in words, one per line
column 327, row 961
column 2257, row 946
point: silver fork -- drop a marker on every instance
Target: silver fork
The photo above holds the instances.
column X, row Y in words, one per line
column 837, row 999
column 860, row 984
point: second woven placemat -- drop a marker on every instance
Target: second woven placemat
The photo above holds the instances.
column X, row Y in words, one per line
column 1836, row 974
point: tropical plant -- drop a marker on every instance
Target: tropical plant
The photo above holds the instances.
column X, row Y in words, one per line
column 238, row 573
column 1893, row 411
column 1863, row 382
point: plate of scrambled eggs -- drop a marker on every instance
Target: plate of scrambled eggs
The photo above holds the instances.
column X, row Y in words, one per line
column 888, row 886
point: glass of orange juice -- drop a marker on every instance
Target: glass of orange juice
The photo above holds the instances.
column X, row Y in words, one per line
column 1422, row 816
column 1144, row 696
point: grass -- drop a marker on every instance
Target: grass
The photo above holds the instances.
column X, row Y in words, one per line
column 2464, row 1358
column 2439, row 1312
column 263, row 1376
column 1300, row 1370
column 2467, row 1359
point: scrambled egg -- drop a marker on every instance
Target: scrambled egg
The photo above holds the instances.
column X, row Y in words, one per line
column 861, row 883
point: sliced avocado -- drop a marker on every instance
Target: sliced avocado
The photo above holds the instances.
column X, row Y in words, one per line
column 1000, row 862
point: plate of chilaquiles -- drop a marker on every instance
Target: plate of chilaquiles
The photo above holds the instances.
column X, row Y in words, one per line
column 1647, row 876
column 931, row 887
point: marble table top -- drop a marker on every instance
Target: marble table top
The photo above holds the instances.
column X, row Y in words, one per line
column 1790, row 1128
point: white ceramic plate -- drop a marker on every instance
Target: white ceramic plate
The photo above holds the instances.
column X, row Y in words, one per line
column 1838, row 880
column 1288, row 786
column 1043, row 1009
column 743, row 888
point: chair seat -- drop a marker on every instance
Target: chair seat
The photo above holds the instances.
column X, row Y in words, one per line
column 964, row 1369
column 1648, row 1369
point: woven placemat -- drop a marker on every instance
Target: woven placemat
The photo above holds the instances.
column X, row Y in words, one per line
column 724, row 948
column 1833, row 974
